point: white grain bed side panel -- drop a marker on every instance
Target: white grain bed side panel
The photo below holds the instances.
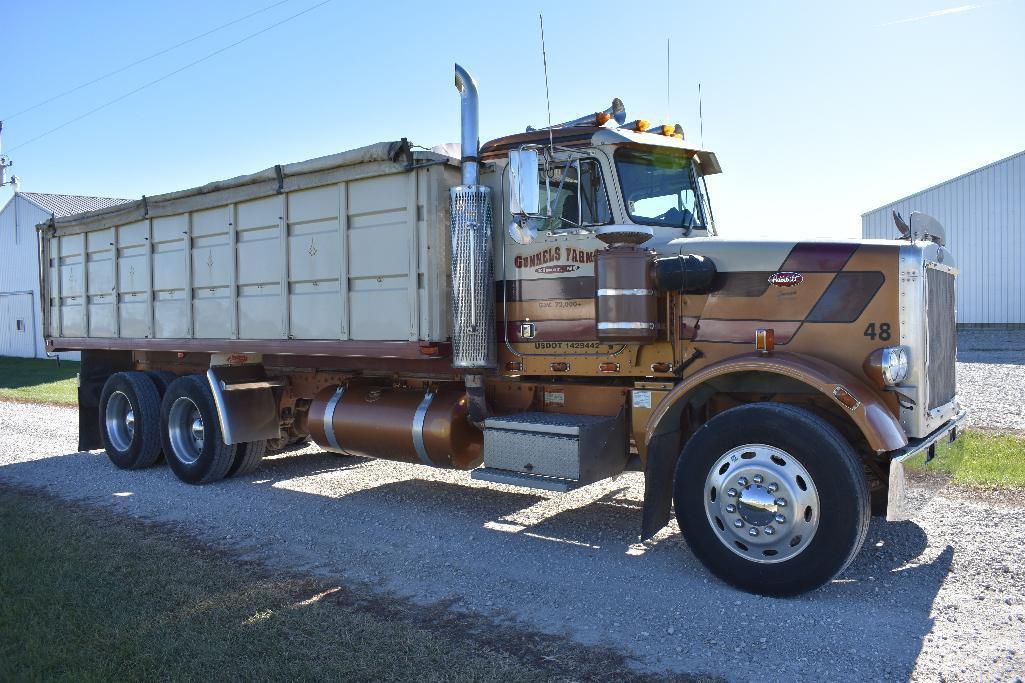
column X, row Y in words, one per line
column 381, row 238
column 212, row 265
column 314, row 260
column 133, row 282
column 170, row 284
column 258, row 244
column 100, row 283
column 72, row 286
column 434, row 256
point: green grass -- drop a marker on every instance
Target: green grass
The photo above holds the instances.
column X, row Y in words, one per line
column 38, row 380
column 982, row 459
column 85, row 594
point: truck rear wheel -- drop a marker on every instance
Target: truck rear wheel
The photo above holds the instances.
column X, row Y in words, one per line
column 130, row 420
column 161, row 379
column 247, row 458
column 191, row 432
column 771, row 498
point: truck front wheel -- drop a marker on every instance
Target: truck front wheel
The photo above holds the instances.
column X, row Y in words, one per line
column 771, row 498
column 191, row 432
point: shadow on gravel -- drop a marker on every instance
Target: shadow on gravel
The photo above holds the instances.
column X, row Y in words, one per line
column 543, row 558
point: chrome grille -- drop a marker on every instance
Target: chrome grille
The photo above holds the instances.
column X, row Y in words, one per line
column 473, row 304
column 942, row 332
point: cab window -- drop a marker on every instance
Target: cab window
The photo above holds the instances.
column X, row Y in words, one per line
column 660, row 187
column 574, row 195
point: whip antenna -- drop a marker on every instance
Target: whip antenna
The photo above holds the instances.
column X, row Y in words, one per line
column 668, row 107
column 548, row 100
column 701, row 118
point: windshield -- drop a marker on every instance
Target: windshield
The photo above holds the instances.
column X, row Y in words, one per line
column 660, row 188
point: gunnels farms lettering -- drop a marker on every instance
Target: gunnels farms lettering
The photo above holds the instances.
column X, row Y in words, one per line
column 554, row 260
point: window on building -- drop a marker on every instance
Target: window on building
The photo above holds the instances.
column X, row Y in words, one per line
column 19, row 325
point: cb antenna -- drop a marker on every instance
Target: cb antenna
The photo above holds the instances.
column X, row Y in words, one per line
column 669, row 113
column 701, row 118
column 548, row 99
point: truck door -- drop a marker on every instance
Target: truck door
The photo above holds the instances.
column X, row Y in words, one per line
column 546, row 287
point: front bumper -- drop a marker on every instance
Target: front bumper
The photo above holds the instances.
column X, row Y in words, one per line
column 897, row 495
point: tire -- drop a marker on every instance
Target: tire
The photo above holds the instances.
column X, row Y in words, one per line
column 130, row 420
column 761, row 544
column 161, row 379
column 196, row 452
column 247, row 458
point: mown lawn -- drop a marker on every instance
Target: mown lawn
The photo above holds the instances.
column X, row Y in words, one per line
column 38, row 380
column 982, row 459
column 88, row 595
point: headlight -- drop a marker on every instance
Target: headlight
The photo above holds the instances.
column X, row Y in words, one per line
column 887, row 367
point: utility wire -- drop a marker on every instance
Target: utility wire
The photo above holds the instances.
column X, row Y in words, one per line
column 169, row 74
column 144, row 59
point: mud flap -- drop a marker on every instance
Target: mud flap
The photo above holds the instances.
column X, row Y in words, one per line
column 96, row 367
column 659, row 471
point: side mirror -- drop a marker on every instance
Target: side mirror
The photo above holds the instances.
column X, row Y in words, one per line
column 524, row 195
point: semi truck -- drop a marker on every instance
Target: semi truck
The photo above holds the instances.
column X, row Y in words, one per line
column 547, row 310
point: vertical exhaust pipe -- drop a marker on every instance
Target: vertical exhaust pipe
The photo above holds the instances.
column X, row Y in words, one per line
column 472, row 267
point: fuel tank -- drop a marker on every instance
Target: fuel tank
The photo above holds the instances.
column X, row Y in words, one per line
column 423, row 427
column 626, row 305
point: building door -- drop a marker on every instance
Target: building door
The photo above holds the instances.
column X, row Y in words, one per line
column 17, row 325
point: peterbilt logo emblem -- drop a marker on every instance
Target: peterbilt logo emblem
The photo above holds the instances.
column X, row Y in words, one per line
column 786, row 279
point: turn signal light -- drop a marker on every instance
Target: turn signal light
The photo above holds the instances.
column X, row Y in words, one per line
column 608, row 367
column 661, row 367
column 514, row 366
column 601, row 118
column 667, row 130
column 430, row 349
column 559, row 366
column 643, row 125
column 765, row 340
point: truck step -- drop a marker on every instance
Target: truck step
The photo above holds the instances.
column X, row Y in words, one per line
column 561, row 446
column 530, row 481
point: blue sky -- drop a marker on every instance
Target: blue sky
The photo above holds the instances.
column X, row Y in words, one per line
column 818, row 112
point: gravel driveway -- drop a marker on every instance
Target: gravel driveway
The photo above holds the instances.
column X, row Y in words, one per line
column 940, row 596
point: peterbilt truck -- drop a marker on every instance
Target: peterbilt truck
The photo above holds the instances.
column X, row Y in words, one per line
column 546, row 310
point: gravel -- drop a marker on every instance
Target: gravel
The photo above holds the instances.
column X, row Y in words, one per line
column 991, row 378
column 941, row 596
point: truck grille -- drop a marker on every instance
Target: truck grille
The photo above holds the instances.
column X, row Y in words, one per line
column 942, row 332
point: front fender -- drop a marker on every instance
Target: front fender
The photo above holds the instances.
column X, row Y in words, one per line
column 663, row 434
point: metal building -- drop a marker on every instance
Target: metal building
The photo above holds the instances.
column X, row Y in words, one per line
column 984, row 214
column 21, row 332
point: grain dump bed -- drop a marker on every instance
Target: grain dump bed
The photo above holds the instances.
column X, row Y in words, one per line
column 348, row 247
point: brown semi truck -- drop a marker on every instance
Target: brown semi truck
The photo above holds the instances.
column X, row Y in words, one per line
column 547, row 310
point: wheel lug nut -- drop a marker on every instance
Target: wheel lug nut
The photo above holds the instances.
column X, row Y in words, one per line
column 772, row 488
column 752, row 531
column 781, row 502
column 758, row 479
column 731, row 508
column 732, row 493
column 780, row 518
column 738, row 523
column 742, row 481
column 769, row 531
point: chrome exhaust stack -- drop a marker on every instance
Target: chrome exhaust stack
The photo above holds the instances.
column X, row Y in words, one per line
column 473, row 302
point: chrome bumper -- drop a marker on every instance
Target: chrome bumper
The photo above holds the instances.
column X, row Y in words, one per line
column 897, row 495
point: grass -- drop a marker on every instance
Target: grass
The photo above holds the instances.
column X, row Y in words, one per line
column 37, row 380
column 982, row 459
column 90, row 595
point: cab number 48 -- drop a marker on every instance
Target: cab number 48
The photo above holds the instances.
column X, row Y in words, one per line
column 882, row 331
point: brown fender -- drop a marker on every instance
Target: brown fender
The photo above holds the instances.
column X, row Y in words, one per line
column 881, row 429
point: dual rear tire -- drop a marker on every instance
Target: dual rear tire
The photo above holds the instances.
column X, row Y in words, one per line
column 144, row 414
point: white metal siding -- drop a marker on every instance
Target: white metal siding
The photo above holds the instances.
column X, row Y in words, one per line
column 19, row 273
column 983, row 214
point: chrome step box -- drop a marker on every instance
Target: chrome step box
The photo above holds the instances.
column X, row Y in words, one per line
column 577, row 449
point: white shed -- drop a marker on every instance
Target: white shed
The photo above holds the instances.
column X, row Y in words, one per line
column 21, row 332
column 984, row 214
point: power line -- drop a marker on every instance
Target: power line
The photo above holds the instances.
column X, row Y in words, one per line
column 169, row 74
column 144, row 59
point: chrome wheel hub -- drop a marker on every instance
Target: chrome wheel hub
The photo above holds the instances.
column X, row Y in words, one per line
column 761, row 503
column 119, row 421
column 186, row 430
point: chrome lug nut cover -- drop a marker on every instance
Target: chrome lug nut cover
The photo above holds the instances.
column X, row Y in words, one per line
column 742, row 481
column 780, row 519
column 738, row 523
column 753, row 531
column 731, row 508
column 781, row 502
column 732, row 493
column 769, row 531
column 758, row 479
column 772, row 488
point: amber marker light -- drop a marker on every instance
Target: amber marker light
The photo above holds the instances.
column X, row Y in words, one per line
column 765, row 340
column 514, row 366
column 643, row 125
column 661, row 367
column 430, row 349
column 608, row 367
column 846, row 398
column 601, row 118
column 667, row 130
column 559, row 366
